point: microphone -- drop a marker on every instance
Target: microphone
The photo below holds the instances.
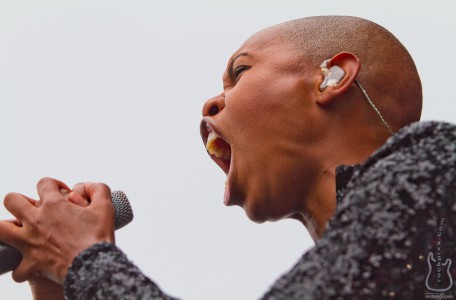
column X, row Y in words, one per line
column 123, row 214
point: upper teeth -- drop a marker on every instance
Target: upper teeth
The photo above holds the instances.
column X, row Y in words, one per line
column 214, row 147
column 211, row 138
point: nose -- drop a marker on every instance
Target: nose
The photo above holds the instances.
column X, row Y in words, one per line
column 214, row 105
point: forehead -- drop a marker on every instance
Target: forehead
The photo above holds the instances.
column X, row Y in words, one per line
column 261, row 41
column 267, row 46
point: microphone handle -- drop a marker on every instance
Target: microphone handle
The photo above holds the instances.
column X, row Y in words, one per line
column 10, row 257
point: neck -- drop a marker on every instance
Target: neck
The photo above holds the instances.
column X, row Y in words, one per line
column 320, row 204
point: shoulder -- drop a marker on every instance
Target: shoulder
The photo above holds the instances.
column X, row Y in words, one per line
column 425, row 143
column 416, row 162
column 385, row 225
column 395, row 201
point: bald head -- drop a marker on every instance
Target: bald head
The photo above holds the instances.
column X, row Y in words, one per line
column 388, row 72
column 281, row 137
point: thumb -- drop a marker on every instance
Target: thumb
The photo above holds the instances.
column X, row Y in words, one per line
column 23, row 272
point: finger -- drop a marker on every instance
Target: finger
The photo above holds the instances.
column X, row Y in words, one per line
column 79, row 195
column 99, row 193
column 101, row 205
column 77, row 199
column 64, row 192
column 50, row 189
column 79, row 187
column 34, row 202
column 10, row 233
column 19, row 206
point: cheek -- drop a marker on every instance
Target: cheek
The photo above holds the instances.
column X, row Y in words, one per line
column 263, row 104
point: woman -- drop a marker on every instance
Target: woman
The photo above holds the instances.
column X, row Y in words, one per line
column 300, row 131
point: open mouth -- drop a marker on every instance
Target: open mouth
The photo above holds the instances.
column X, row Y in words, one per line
column 218, row 149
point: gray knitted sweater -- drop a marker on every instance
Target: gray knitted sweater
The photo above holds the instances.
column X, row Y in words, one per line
column 392, row 235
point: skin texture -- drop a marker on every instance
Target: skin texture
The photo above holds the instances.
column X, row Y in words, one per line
column 42, row 229
column 43, row 288
column 286, row 138
column 284, row 164
column 46, row 289
column 388, row 72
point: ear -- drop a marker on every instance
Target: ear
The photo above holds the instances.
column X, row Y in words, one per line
column 351, row 65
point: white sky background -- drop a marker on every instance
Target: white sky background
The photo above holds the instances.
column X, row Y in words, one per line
column 112, row 91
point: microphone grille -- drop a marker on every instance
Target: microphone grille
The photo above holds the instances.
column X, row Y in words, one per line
column 123, row 214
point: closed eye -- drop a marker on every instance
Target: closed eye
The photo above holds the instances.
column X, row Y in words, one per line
column 238, row 71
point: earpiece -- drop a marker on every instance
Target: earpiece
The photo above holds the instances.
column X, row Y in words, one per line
column 332, row 75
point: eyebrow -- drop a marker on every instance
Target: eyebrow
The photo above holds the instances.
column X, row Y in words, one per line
column 231, row 64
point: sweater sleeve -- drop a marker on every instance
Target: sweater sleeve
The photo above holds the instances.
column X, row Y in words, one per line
column 102, row 271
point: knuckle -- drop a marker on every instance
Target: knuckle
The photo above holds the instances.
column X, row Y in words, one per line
column 44, row 180
column 44, row 183
column 104, row 187
column 51, row 203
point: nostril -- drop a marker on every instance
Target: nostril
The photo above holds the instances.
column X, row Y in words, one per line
column 214, row 110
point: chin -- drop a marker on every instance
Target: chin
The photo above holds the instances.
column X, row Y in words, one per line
column 255, row 218
column 259, row 213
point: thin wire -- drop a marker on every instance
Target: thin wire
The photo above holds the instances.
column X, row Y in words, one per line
column 373, row 106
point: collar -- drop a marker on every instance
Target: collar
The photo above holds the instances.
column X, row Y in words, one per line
column 343, row 175
column 406, row 137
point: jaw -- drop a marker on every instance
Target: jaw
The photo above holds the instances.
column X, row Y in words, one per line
column 220, row 152
column 268, row 174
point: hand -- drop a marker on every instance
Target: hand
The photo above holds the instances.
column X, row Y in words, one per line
column 52, row 231
column 45, row 289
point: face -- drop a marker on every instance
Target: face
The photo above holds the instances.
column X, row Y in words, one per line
column 260, row 129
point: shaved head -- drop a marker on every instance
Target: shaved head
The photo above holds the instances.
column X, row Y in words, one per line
column 279, row 137
column 388, row 72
